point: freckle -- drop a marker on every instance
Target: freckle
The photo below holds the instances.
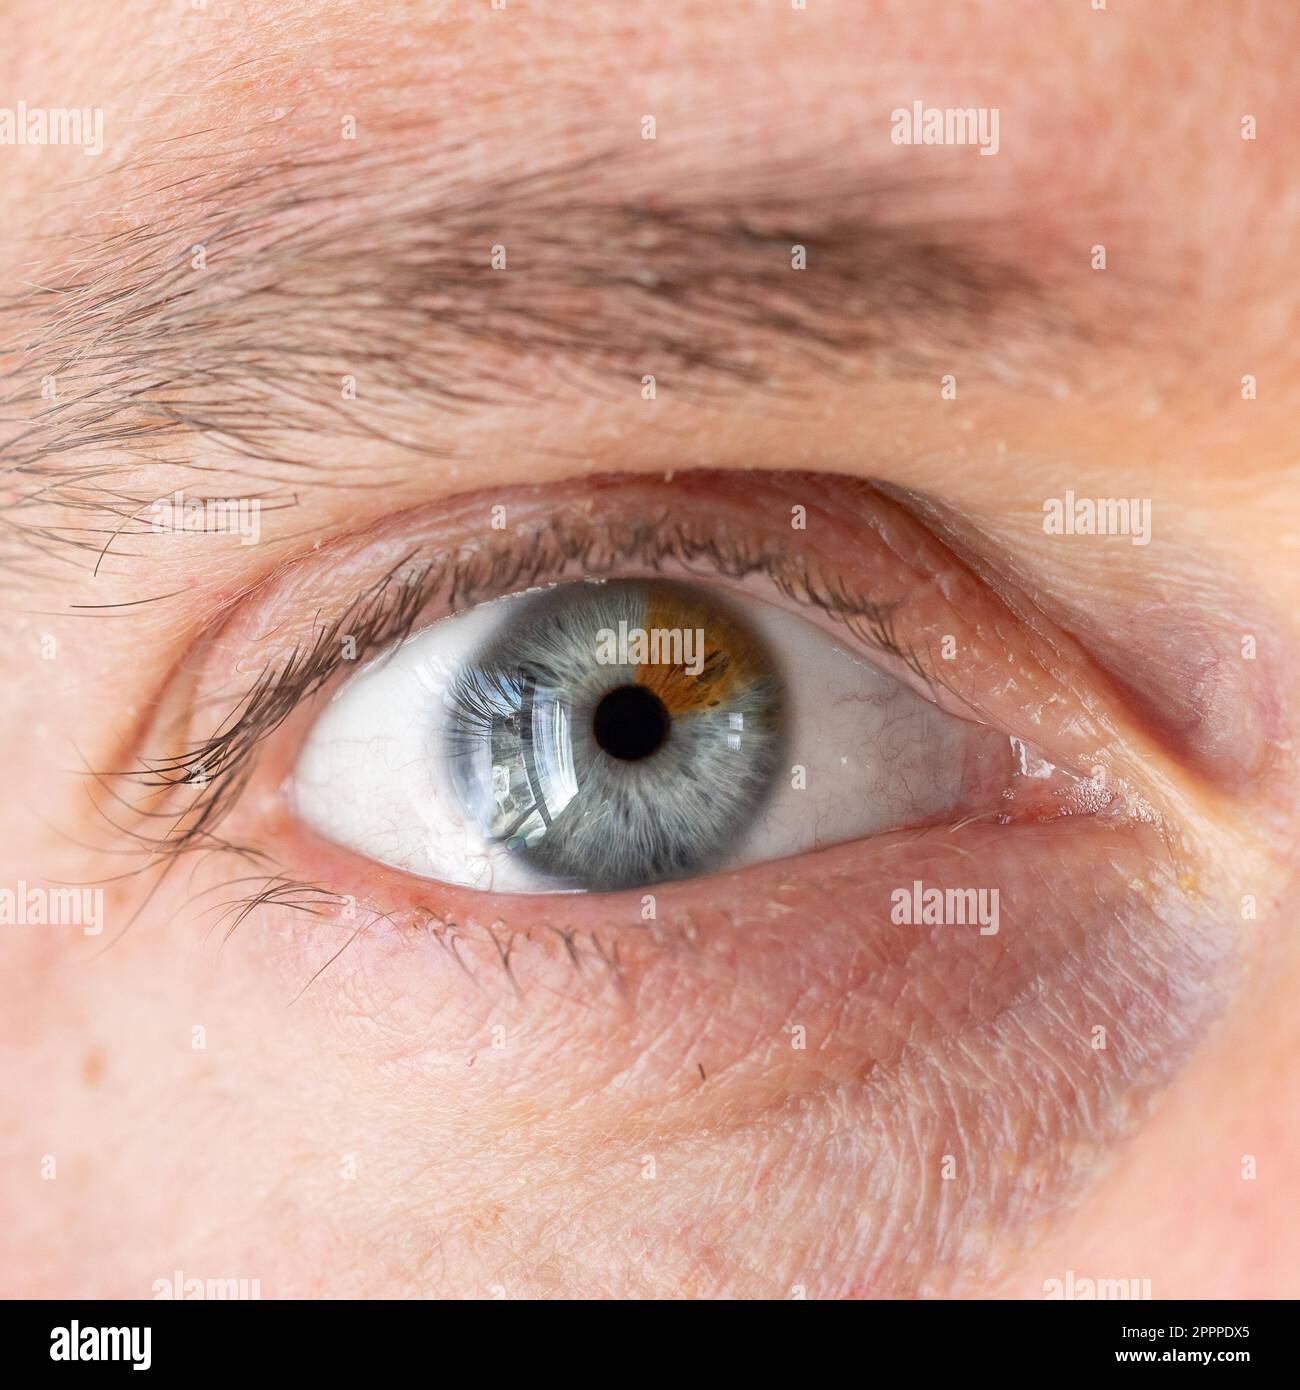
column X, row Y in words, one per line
column 92, row 1067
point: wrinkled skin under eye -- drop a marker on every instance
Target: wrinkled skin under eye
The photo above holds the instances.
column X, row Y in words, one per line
column 604, row 736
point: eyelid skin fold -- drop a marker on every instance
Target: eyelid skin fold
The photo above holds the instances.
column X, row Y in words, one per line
column 1184, row 648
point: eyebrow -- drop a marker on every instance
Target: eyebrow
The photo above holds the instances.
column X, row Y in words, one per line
column 237, row 311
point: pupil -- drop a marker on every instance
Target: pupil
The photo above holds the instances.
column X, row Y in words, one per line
column 630, row 723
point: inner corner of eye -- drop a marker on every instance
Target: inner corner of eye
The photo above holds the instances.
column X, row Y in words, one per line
column 606, row 737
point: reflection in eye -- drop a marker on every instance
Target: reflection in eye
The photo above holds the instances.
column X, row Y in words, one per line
column 598, row 736
column 618, row 734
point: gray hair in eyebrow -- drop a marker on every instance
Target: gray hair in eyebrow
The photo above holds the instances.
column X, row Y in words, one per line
column 236, row 308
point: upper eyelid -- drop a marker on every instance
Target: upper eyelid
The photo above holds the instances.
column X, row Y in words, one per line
column 1185, row 676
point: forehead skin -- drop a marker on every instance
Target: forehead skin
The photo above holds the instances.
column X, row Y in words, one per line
column 1114, row 130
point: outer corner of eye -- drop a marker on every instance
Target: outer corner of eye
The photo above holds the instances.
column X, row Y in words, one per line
column 604, row 737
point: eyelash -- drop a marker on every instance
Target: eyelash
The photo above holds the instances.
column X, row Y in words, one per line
column 391, row 609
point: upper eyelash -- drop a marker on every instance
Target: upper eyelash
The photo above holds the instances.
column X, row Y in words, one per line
column 390, row 609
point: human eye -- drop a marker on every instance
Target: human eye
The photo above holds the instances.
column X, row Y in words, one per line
column 941, row 855
column 635, row 683
column 613, row 734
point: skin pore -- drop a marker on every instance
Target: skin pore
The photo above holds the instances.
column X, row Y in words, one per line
column 284, row 1061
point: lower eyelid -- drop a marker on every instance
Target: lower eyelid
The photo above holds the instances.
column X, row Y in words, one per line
column 934, row 1034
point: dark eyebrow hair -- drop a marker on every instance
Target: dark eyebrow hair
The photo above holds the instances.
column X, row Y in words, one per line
column 236, row 299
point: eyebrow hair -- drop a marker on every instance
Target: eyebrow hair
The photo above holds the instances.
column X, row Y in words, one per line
column 235, row 312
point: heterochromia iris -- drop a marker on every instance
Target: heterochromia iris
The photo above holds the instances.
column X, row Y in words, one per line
column 618, row 734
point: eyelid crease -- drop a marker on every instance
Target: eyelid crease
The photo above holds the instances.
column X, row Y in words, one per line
column 1174, row 659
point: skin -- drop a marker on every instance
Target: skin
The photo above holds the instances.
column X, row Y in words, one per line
column 367, row 1135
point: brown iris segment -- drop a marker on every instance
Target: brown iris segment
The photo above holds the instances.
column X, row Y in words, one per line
column 720, row 657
